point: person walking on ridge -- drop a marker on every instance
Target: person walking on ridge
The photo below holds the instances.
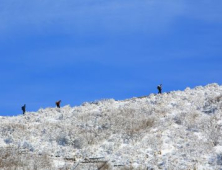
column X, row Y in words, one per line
column 23, row 109
column 58, row 103
column 159, row 87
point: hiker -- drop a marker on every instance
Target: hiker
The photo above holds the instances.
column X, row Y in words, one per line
column 23, row 109
column 58, row 103
column 159, row 87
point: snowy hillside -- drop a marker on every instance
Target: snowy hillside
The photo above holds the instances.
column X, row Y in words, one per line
column 176, row 130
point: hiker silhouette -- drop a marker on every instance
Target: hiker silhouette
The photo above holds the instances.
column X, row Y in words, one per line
column 58, row 103
column 23, row 109
column 159, row 87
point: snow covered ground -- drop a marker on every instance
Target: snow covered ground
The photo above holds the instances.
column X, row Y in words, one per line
column 176, row 130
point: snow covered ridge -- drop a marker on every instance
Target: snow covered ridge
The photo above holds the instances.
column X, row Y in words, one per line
column 179, row 130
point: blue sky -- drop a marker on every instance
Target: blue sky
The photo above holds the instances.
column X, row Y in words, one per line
column 86, row 50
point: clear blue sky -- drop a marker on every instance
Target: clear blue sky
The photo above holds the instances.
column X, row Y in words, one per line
column 86, row 50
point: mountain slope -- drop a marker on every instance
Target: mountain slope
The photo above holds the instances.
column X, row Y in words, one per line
column 176, row 130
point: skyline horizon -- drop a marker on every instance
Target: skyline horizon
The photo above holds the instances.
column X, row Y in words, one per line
column 97, row 100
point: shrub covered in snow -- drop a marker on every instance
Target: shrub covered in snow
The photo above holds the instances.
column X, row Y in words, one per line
column 12, row 158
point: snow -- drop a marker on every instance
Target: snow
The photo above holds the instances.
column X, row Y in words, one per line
column 218, row 149
column 176, row 130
